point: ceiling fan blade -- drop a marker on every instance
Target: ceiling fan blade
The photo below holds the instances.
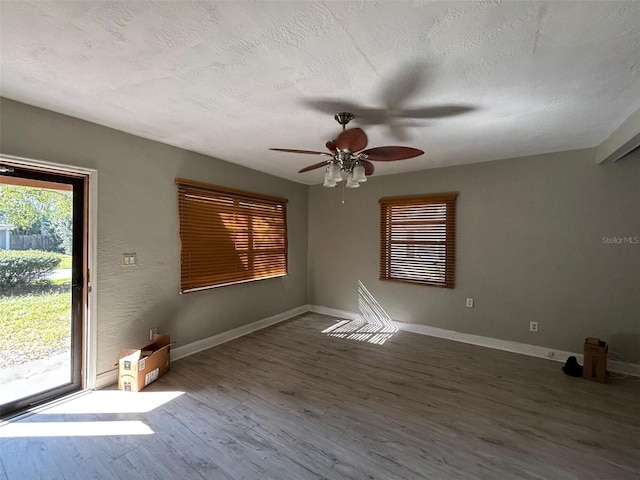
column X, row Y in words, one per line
column 390, row 154
column 331, row 145
column 314, row 166
column 353, row 139
column 368, row 167
column 309, row 152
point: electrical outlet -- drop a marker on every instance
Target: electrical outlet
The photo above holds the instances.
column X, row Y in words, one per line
column 152, row 332
column 533, row 327
column 470, row 302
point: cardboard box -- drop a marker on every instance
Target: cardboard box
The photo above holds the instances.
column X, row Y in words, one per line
column 137, row 368
column 595, row 359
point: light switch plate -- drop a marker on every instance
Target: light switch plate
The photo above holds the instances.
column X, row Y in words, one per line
column 128, row 259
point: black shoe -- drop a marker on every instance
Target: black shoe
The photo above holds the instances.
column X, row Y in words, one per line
column 572, row 367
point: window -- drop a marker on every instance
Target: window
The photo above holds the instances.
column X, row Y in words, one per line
column 417, row 239
column 229, row 236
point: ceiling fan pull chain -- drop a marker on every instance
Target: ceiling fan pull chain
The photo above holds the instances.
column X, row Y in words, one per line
column 343, row 187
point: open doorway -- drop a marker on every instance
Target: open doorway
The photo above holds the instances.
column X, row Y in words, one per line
column 43, row 284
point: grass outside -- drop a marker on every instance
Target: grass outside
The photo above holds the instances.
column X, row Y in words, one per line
column 65, row 261
column 34, row 326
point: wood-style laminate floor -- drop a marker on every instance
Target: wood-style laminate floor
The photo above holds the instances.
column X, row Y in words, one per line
column 292, row 403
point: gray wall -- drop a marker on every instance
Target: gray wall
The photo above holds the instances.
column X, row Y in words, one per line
column 529, row 248
column 529, row 242
column 137, row 212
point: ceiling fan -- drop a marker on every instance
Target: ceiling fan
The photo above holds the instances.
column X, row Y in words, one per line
column 347, row 154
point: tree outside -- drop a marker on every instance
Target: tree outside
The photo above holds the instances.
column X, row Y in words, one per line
column 39, row 211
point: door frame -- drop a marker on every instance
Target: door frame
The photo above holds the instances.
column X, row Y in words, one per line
column 90, row 317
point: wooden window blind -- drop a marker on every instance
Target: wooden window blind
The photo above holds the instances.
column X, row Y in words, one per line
column 229, row 236
column 417, row 239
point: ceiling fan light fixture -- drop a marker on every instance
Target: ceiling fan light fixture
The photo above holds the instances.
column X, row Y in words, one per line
column 349, row 153
column 359, row 174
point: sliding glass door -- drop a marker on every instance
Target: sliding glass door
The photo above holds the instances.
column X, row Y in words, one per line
column 42, row 285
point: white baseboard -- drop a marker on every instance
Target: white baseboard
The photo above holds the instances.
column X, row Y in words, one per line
column 506, row 345
column 205, row 343
column 106, row 378
column 110, row 377
column 332, row 312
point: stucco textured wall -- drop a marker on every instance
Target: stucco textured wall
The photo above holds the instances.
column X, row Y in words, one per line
column 137, row 212
column 530, row 242
column 529, row 248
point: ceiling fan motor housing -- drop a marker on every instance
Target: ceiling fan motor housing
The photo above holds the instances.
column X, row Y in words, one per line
column 346, row 160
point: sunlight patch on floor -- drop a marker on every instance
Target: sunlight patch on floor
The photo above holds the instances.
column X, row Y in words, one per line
column 74, row 429
column 92, row 403
column 113, row 401
column 372, row 324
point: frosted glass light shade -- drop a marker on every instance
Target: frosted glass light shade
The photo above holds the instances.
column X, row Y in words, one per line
column 334, row 173
column 358, row 174
column 327, row 180
column 351, row 183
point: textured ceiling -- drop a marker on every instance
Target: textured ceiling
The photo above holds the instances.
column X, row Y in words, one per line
column 231, row 79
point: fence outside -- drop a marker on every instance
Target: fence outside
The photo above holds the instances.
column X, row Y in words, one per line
column 31, row 242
